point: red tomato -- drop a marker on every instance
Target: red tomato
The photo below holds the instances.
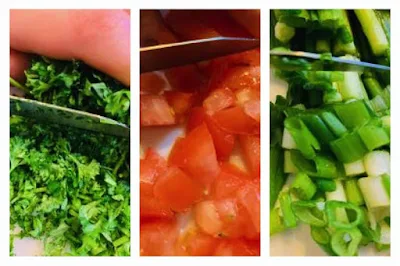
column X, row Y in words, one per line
column 155, row 111
column 196, row 155
column 150, row 207
column 218, row 100
column 196, row 118
column 151, row 166
column 224, row 142
column 238, row 247
column 236, row 121
column 180, row 101
column 152, row 82
column 207, row 218
column 250, row 145
column 228, row 183
column 176, row 189
column 185, row 78
column 157, row 238
column 249, row 197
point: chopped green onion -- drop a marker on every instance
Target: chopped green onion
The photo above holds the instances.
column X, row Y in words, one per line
column 354, row 168
column 377, row 163
column 352, row 114
column 288, row 141
column 325, row 185
column 349, row 148
column 318, row 128
column 352, row 88
column 344, row 242
column 353, row 193
column 322, row 237
column 283, row 32
column 338, row 195
column 321, row 166
column 303, row 187
column 331, row 212
column 289, row 219
column 374, row 136
column 375, row 196
column 333, row 123
column 275, row 222
column 310, row 212
column 288, row 164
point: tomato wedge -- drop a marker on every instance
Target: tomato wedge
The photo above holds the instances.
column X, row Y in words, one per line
column 177, row 189
column 155, row 111
column 235, row 120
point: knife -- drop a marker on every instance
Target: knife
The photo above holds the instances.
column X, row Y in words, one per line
column 282, row 60
column 165, row 56
column 65, row 116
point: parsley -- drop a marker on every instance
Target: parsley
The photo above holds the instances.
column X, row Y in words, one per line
column 70, row 187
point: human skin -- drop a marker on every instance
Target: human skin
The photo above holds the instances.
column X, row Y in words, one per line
column 100, row 38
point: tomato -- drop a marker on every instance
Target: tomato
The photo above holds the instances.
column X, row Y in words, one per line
column 151, row 166
column 180, row 102
column 218, row 100
column 152, row 82
column 196, row 118
column 235, row 120
column 150, row 207
column 207, row 218
column 250, row 145
column 238, row 247
column 196, row 155
column 228, row 183
column 157, row 238
column 177, row 189
column 224, row 141
column 238, row 77
column 155, row 111
column 249, row 197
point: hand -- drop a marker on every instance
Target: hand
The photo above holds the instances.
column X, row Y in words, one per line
column 100, row 38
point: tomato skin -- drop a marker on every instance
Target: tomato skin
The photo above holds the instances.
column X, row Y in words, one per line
column 218, row 100
column 177, row 189
column 157, row 238
column 250, row 145
column 238, row 247
column 235, row 120
column 155, row 111
column 177, row 155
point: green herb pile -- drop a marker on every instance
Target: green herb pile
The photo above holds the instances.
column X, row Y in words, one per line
column 330, row 135
column 70, row 187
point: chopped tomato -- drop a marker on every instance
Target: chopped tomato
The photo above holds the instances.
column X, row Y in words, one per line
column 150, row 207
column 177, row 189
column 180, row 102
column 196, row 155
column 151, row 166
column 155, row 111
column 235, row 120
column 228, row 183
column 224, row 141
column 152, row 82
column 218, row 100
column 238, row 247
column 157, row 238
column 249, row 197
column 196, row 118
column 236, row 78
column 207, row 218
column 250, row 145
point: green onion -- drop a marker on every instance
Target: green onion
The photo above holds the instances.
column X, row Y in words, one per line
column 352, row 88
column 322, row 237
column 331, row 212
column 321, row 166
column 283, row 32
column 353, row 193
column 288, row 141
column 310, row 212
column 352, row 114
column 305, row 140
column 288, row 165
column 338, row 195
column 354, row 168
column 377, row 163
column 374, row 136
column 303, row 187
column 373, row 30
column 289, row 219
column 318, row 128
column 333, row 123
column 349, row 148
column 275, row 222
column 325, row 185
column 386, row 183
column 375, row 195
column 344, row 242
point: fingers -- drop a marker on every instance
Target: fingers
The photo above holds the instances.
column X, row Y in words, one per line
column 18, row 63
column 101, row 38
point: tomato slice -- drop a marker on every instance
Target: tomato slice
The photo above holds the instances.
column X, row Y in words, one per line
column 236, row 121
column 238, row 247
column 250, row 145
column 157, row 238
column 177, row 189
column 155, row 111
column 218, row 100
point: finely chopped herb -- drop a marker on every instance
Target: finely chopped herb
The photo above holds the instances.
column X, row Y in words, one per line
column 70, row 187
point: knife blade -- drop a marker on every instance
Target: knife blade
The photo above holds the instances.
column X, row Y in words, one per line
column 182, row 53
column 281, row 60
column 65, row 116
